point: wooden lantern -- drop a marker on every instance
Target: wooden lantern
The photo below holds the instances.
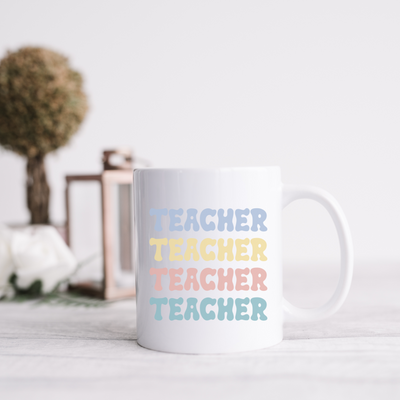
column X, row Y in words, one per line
column 122, row 176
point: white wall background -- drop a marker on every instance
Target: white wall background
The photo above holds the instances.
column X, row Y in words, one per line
column 312, row 86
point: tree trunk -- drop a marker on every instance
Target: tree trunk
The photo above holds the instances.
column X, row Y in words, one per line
column 37, row 190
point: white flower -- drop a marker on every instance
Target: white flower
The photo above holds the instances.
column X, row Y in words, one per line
column 39, row 253
column 6, row 264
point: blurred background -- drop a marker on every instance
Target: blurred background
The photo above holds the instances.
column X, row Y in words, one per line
column 311, row 86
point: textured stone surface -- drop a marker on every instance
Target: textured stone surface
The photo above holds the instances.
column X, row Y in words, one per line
column 59, row 352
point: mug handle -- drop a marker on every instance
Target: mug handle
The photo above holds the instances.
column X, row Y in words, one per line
column 291, row 193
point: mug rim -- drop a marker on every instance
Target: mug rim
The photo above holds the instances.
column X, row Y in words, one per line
column 206, row 169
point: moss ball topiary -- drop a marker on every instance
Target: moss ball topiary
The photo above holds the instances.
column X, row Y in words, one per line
column 42, row 105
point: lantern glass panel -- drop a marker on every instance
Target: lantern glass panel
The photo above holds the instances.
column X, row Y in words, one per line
column 122, row 234
column 86, row 232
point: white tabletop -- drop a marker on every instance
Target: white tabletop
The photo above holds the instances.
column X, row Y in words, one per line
column 63, row 352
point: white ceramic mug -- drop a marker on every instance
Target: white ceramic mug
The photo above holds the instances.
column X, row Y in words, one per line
column 209, row 262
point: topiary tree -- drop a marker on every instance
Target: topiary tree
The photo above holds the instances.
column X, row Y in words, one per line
column 42, row 105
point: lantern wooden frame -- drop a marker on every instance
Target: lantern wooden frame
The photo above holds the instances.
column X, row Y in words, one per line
column 107, row 178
